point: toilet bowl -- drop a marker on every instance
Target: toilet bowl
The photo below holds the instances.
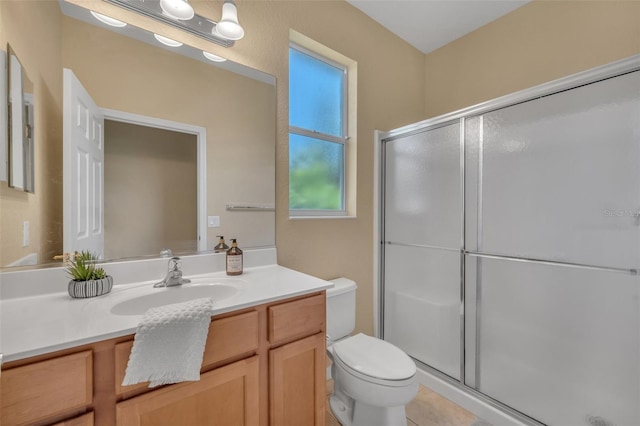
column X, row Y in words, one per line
column 373, row 379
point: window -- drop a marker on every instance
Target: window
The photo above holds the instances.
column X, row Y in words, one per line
column 317, row 134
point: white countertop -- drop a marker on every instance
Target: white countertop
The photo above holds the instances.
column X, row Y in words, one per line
column 39, row 324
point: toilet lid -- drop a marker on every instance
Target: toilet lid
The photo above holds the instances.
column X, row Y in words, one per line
column 374, row 358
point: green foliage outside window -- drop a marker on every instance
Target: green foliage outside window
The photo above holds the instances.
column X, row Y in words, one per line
column 315, row 174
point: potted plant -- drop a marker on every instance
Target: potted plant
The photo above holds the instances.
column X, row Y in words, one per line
column 87, row 280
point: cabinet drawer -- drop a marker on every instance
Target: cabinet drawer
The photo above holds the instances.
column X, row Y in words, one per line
column 228, row 338
column 297, row 319
column 47, row 389
column 85, row 420
column 122, row 351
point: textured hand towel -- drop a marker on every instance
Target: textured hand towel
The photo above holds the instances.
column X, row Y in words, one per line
column 169, row 344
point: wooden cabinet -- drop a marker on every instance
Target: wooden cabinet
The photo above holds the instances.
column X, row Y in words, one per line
column 224, row 396
column 297, row 362
column 297, row 381
column 47, row 391
column 262, row 365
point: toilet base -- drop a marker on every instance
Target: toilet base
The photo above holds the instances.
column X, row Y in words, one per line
column 357, row 413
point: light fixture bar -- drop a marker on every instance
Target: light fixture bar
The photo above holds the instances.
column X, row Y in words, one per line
column 198, row 25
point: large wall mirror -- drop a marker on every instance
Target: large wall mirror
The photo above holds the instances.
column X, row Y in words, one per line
column 138, row 147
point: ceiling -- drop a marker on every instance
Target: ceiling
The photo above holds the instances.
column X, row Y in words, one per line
column 430, row 24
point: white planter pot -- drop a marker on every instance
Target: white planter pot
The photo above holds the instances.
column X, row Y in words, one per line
column 92, row 288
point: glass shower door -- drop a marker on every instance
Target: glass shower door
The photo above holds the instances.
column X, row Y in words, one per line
column 552, row 309
column 423, row 237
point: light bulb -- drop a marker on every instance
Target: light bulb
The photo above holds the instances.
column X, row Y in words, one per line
column 212, row 57
column 167, row 41
column 108, row 20
column 229, row 27
column 178, row 9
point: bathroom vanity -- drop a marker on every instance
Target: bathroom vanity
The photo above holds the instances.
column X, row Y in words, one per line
column 264, row 361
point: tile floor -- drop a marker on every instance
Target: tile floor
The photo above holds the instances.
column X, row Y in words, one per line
column 427, row 409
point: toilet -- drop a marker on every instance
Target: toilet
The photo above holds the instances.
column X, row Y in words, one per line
column 372, row 379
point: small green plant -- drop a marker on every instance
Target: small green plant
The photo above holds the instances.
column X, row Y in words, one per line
column 82, row 267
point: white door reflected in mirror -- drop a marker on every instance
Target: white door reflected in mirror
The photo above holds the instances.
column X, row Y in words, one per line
column 83, row 157
column 141, row 190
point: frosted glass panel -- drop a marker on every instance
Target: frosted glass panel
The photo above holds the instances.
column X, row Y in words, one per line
column 560, row 176
column 560, row 344
column 422, row 191
column 422, row 305
column 472, row 166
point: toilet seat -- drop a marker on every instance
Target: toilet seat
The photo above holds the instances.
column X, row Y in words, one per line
column 374, row 360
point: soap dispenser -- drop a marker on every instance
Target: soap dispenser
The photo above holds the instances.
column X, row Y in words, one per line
column 234, row 259
column 221, row 247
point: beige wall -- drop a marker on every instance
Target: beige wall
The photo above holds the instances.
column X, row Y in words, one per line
column 539, row 42
column 36, row 41
column 390, row 80
column 150, row 182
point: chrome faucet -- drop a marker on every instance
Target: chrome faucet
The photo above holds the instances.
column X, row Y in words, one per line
column 174, row 274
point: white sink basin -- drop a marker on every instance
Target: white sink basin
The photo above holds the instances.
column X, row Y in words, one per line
column 165, row 296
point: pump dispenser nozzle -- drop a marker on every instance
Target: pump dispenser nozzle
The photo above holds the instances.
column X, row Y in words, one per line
column 221, row 247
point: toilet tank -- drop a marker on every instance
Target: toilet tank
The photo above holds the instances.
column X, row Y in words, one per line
column 341, row 308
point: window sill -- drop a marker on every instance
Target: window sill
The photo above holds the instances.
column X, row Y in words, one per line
column 316, row 217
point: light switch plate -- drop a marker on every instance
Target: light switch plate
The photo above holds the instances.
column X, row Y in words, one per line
column 25, row 233
column 213, row 221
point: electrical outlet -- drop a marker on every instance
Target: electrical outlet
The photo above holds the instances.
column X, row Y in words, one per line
column 213, row 221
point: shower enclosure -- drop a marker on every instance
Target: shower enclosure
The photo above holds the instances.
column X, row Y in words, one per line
column 511, row 247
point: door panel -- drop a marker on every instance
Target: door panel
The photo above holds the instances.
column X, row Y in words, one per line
column 558, row 176
column 423, row 228
column 422, row 305
column 83, row 152
column 224, row 396
column 297, row 380
column 422, row 188
column 550, row 334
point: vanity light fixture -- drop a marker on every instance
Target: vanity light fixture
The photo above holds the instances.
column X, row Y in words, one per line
column 223, row 33
column 229, row 27
column 167, row 41
column 108, row 20
column 178, row 9
column 212, row 57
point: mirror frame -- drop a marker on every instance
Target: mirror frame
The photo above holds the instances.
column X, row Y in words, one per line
column 4, row 114
column 20, row 126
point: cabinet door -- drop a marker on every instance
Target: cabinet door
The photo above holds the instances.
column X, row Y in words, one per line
column 297, row 382
column 47, row 390
column 224, row 396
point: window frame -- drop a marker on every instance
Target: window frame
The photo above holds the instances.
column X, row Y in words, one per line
column 342, row 140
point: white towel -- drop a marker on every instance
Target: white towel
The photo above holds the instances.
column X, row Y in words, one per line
column 169, row 344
